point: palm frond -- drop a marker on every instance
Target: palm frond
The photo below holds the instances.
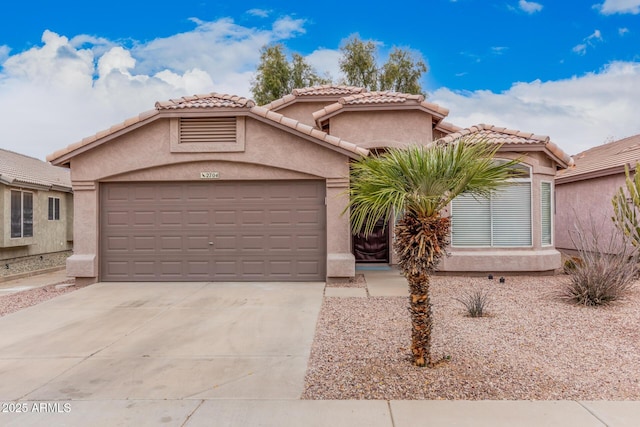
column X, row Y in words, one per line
column 422, row 180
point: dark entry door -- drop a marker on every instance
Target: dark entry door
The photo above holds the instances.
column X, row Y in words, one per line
column 375, row 246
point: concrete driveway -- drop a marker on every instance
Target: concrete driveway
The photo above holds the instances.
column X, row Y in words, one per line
column 124, row 341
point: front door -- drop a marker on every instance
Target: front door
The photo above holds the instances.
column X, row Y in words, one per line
column 375, row 246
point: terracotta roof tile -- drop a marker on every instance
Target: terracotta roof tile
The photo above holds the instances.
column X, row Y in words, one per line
column 206, row 101
column 382, row 98
column 321, row 91
column 308, row 130
column 211, row 100
column 325, row 90
column 17, row 169
column 614, row 154
column 503, row 136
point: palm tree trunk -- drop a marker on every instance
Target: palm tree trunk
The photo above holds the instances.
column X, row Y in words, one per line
column 421, row 321
column 420, row 244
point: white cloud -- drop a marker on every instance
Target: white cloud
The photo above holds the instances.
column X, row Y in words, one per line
column 530, row 7
column 623, row 31
column 326, row 62
column 588, row 41
column 260, row 13
column 577, row 113
column 64, row 89
column 610, row 7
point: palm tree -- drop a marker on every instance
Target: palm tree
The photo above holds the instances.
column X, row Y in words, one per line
column 418, row 183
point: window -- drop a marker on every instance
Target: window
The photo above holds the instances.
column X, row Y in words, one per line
column 21, row 214
column 54, row 208
column 545, row 203
column 502, row 220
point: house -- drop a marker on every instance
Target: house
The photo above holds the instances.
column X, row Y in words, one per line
column 584, row 192
column 214, row 187
column 37, row 207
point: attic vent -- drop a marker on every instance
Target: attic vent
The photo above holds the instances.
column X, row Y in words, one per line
column 208, row 130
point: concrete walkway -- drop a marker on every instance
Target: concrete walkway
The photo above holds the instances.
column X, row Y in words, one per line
column 11, row 286
column 214, row 354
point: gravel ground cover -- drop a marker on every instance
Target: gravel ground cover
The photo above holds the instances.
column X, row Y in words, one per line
column 532, row 346
column 11, row 267
column 14, row 302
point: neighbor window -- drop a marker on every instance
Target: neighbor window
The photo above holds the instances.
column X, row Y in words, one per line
column 21, row 214
column 545, row 203
column 54, row 208
column 502, row 220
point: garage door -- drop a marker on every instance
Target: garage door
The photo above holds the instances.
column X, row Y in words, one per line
column 220, row 231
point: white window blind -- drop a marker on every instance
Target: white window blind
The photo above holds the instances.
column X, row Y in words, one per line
column 511, row 215
column 471, row 221
column 503, row 220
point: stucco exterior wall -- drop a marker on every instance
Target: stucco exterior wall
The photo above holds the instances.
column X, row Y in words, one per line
column 48, row 235
column 144, row 155
column 585, row 202
column 373, row 129
column 303, row 111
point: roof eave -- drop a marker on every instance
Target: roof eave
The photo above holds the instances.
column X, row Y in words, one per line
column 63, row 157
column 362, row 152
column 598, row 173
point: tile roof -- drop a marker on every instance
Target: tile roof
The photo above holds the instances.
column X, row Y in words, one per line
column 504, row 136
column 309, row 130
column 328, row 90
column 597, row 161
column 381, row 99
column 309, row 93
column 210, row 100
column 20, row 170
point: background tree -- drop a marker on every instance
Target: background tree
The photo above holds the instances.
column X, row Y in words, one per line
column 626, row 209
column 303, row 74
column 276, row 76
column 358, row 63
column 402, row 72
column 272, row 76
column 419, row 182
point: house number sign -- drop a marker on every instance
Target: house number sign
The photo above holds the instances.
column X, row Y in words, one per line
column 209, row 175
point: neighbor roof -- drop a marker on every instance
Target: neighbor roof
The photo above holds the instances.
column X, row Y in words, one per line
column 24, row 171
column 605, row 159
column 504, row 136
column 380, row 100
column 214, row 102
column 314, row 93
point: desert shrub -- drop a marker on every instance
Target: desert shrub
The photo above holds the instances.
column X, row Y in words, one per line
column 475, row 302
column 606, row 269
column 571, row 263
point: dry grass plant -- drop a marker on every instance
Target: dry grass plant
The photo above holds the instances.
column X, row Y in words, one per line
column 606, row 270
column 475, row 302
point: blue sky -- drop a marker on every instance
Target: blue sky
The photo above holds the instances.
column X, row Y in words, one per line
column 569, row 69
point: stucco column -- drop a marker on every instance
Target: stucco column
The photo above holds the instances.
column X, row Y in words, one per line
column 341, row 263
column 83, row 264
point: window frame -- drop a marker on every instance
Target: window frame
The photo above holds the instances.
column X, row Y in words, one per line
column 24, row 218
column 53, row 208
column 551, row 214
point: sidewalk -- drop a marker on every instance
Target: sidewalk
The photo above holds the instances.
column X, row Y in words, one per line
column 342, row 413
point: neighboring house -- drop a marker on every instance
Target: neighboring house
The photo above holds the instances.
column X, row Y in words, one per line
column 37, row 207
column 213, row 187
column 584, row 192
